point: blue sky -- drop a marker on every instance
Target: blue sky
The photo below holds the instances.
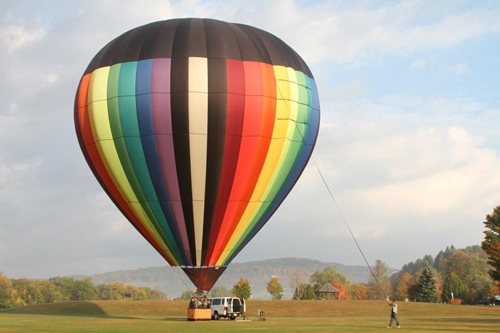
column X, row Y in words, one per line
column 408, row 142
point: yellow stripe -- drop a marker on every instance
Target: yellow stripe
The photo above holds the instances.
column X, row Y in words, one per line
column 101, row 131
column 198, row 135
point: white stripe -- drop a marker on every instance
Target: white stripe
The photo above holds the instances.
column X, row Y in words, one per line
column 198, row 130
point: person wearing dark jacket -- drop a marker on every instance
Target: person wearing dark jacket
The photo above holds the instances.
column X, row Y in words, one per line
column 192, row 303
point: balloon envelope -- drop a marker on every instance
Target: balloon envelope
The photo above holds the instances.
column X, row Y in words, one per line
column 197, row 129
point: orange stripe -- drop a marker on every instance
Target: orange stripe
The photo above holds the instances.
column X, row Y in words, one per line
column 257, row 131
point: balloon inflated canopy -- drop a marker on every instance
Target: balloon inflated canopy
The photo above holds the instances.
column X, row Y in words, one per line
column 197, row 129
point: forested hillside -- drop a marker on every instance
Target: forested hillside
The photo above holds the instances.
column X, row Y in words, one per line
column 257, row 272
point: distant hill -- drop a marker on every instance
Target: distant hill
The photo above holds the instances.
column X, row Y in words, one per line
column 258, row 273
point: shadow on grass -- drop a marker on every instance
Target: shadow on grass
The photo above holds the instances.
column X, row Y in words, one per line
column 78, row 309
column 465, row 324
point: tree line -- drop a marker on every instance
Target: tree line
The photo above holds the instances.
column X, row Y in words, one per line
column 21, row 292
column 458, row 275
column 452, row 276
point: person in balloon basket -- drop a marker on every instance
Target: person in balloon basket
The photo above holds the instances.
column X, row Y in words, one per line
column 394, row 312
column 192, row 303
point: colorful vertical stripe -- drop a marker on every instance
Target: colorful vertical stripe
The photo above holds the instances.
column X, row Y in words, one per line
column 197, row 129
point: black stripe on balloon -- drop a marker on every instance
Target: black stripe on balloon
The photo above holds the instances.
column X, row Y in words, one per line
column 217, row 113
column 256, row 41
column 221, row 42
column 104, row 57
column 200, row 37
column 281, row 54
column 134, row 47
column 165, row 40
column 149, row 44
column 180, row 125
column 197, row 45
column 248, row 49
column 180, row 44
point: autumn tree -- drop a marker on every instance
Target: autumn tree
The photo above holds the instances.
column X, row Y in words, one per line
column 379, row 285
column 359, row 291
column 459, row 263
column 472, row 270
column 331, row 275
column 275, row 288
column 491, row 243
column 494, row 290
column 426, row 290
column 402, row 287
column 5, row 291
column 343, row 289
column 453, row 284
column 242, row 289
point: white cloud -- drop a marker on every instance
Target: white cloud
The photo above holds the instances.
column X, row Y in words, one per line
column 17, row 36
column 347, row 92
column 460, row 69
column 11, row 172
column 418, row 64
column 432, row 172
column 354, row 34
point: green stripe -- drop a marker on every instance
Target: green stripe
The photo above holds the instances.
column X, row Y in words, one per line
column 126, row 137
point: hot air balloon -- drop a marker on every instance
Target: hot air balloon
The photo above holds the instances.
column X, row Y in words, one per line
column 197, row 129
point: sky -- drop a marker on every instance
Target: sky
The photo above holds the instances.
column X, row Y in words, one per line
column 409, row 142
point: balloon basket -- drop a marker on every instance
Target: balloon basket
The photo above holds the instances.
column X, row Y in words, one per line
column 199, row 314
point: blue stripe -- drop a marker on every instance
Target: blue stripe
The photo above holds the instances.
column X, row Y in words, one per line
column 146, row 128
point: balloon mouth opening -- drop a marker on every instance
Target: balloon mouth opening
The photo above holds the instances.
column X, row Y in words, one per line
column 204, row 277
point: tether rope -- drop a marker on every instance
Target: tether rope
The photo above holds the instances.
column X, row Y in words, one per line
column 331, row 196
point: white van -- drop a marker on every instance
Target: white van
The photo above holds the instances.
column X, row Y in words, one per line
column 227, row 307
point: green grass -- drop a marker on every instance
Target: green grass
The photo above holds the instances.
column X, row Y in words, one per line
column 282, row 316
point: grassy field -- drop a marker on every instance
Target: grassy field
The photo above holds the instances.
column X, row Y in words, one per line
column 282, row 316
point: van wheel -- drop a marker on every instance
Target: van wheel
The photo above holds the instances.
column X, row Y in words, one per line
column 232, row 318
column 216, row 315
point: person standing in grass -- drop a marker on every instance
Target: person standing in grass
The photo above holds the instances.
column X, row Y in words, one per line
column 394, row 312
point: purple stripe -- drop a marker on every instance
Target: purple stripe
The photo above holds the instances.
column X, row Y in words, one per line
column 162, row 122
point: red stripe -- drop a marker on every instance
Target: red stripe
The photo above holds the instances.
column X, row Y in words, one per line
column 91, row 154
column 260, row 109
column 234, row 128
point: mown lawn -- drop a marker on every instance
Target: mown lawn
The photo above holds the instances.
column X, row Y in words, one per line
column 282, row 316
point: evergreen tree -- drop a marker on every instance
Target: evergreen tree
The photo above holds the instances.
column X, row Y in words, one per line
column 426, row 288
column 428, row 260
column 454, row 285
column 438, row 259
